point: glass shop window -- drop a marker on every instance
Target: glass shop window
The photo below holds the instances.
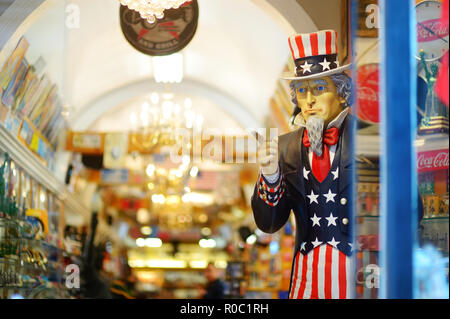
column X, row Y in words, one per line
column 431, row 145
column 366, row 64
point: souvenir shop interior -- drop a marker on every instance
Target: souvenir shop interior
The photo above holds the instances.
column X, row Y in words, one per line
column 127, row 163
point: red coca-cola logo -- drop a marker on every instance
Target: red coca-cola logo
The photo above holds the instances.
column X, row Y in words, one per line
column 368, row 93
column 433, row 160
column 424, row 27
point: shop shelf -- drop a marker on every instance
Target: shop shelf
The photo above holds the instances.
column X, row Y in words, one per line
column 434, row 218
column 262, row 289
column 180, row 286
column 442, row 218
column 369, row 145
column 27, row 160
column 9, row 260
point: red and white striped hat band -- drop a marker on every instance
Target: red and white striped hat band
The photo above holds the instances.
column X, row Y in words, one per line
column 314, row 53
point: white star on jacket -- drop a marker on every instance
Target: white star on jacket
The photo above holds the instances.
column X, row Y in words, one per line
column 313, row 197
column 329, row 196
column 316, row 220
column 335, row 173
column 331, row 220
column 305, row 173
column 333, row 242
column 303, row 246
column 316, row 243
column 325, row 64
column 306, row 67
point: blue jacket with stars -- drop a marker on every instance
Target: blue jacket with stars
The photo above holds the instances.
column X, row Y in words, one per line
column 273, row 203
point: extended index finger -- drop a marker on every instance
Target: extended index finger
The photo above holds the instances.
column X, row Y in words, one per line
column 260, row 138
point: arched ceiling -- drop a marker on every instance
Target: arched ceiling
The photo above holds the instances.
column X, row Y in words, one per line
column 237, row 53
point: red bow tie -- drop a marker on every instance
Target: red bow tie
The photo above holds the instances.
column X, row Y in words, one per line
column 321, row 164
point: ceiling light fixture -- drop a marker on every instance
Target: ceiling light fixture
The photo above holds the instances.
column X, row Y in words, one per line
column 168, row 68
column 151, row 10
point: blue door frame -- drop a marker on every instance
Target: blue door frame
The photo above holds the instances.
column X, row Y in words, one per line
column 398, row 175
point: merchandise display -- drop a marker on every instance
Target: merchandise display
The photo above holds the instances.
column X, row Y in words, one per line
column 31, row 254
column 27, row 95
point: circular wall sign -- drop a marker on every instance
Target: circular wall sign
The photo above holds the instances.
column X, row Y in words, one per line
column 432, row 37
column 368, row 93
column 165, row 36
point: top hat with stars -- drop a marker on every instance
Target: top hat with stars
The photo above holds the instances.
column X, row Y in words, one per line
column 315, row 55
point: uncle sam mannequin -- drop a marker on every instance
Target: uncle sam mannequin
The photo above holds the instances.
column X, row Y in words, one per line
column 308, row 171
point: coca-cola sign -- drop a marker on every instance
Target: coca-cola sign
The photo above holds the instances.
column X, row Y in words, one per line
column 431, row 30
column 368, row 93
column 432, row 160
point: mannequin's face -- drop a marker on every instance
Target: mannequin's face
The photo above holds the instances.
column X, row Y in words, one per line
column 318, row 97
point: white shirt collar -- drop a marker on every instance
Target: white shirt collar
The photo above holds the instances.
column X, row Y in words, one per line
column 338, row 120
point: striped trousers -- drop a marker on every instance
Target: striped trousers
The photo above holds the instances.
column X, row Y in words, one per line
column 324, row 273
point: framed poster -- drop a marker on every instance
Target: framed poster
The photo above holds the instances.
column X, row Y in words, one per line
column 10, row 92
column 13, row 62
column 115, row 150
column 114, row 176
column 29, row 79
column 12, row 123
column 26, row 132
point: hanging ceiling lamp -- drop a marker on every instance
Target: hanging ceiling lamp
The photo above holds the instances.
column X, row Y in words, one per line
column 151, row 10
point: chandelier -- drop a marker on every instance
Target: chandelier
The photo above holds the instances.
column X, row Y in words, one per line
column 151, row 10
column 158, row 122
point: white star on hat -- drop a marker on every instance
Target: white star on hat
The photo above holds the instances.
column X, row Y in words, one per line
column 336, row 62
column 306, row 67
column 315, row 220
column 316, row 243
column 325, row 64
column 302, row 247
column 333, row 243
column 313, row 197
column 329, row 196
column 331, row 220
column 305, row 173
column 335, row 173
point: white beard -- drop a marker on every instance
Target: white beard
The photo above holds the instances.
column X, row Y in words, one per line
column 315, row 125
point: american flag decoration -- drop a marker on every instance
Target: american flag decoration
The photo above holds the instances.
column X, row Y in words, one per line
column 323, row 266
column 315, row 54
column 312, row 44
column 204, row 181
column 324, row 273
column 269, row 193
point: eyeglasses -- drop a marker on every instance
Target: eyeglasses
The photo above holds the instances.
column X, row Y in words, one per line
column 315, row 90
